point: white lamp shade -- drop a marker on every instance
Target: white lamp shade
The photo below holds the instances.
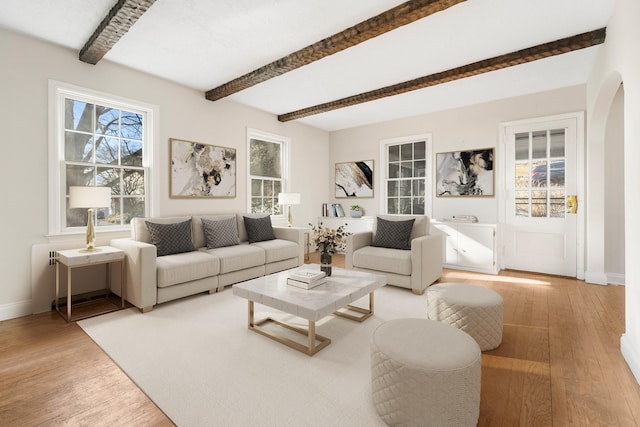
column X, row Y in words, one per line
column 288, row 198
column 89, row 197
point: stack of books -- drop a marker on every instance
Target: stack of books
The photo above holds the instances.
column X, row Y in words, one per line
column 464, row 218
column 306, row 279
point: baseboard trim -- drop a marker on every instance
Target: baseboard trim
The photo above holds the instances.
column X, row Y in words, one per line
column 15, row 309
column 595, row 278
column 615, row 279
column 631, row 357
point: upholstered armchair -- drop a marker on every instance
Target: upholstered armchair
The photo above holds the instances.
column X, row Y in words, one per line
column 399, row 247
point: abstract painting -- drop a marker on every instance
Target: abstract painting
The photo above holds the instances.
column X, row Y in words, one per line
column 465, row 173
column 354, row 179
column 202, row 170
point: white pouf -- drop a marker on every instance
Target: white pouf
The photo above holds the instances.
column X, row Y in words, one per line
column 476, row 310
column 425, row 373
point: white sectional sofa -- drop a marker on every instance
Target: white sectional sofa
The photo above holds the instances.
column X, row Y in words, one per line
column 153, row 279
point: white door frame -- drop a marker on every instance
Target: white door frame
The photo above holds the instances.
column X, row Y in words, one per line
column 580, row 164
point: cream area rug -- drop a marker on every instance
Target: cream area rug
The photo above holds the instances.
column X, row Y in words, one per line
column 196, row 359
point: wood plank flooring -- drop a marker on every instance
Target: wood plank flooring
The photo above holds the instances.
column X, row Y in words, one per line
column 559, row 363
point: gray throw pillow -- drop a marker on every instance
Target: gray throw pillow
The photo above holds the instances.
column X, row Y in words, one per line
column 259, row 229
column 393, row 234
column 220, row 232
column 171, row 239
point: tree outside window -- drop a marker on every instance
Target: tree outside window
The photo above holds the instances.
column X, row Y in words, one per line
column 267, row 171
column 266, row 176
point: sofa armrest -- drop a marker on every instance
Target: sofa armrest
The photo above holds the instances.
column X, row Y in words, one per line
column 426, row 261
column 356, row 241
column 295, row 235
column 141, row 273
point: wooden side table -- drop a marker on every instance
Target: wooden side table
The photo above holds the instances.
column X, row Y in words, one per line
column 75, row 258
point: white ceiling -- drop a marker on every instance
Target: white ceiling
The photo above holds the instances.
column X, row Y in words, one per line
column 205, row 43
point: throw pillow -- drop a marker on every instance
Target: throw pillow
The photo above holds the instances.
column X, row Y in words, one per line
column 220, row 233
column 171, row 239
column 259, row 229
column 393, row 234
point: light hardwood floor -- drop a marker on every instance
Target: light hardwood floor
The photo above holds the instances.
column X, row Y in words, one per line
column 559, row 363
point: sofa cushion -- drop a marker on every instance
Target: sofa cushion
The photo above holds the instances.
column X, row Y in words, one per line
column 199, row 239
column 140, row 231
column 259, row 229
column 221, row 233
column 420, row 227
column 383, row 259
column 278, row 249
column 171, row 238
column 393, row 234
column 234, row 258
column 185, row 267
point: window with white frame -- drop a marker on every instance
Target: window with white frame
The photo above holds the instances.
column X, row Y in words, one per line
column 98, row 140
column 406, row 175
column 267, row 171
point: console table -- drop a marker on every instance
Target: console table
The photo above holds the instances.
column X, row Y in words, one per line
column 353, row 225
column 75, row 258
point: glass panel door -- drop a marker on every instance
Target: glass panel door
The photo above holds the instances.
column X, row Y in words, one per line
column 540, row 174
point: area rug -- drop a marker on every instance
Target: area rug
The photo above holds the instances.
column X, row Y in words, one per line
column 196, row 359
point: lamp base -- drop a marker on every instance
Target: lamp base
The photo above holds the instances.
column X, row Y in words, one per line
column 90, row 250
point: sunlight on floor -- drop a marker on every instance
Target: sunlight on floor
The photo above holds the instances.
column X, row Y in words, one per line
column 466, row 275
column 529, row 367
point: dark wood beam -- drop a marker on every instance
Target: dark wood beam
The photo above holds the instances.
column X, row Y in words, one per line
column 120, row 18
column 403, row 14
column 523, row 56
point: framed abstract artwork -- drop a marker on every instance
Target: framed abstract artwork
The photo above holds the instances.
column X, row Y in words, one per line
column 354, row 179
column 465, row 173
column 201, row 170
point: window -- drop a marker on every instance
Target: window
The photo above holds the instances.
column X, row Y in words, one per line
column 406, row 175
column 99, row 141
column 267, row 171
column 539, row 174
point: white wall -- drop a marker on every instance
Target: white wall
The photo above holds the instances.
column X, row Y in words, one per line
column 618, row 62
column 614, row 192
column 460, row 129
column 28, row 64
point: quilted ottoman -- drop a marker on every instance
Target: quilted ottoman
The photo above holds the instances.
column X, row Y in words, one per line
column 425, row 373
column 476, row 310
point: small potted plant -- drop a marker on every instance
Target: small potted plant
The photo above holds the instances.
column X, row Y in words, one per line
column 356, row 211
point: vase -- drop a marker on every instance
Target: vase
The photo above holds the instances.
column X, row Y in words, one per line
column 356, row 214
column 325, row 263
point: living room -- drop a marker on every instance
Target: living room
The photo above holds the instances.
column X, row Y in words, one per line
column 184, row 113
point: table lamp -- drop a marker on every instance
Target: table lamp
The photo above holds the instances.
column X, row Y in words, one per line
column 289, row 199
column 89, row 197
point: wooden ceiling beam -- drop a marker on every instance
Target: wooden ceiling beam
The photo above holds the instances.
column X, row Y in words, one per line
column 523, row 56
column 120, row 18
column 398, row 16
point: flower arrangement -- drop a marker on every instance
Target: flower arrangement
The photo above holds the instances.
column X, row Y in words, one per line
column 328, row 240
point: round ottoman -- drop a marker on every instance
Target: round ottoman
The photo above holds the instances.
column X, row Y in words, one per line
column 425, row 373
column 476, row 310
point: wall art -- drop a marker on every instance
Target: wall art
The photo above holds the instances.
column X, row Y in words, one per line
column 201, row 170
column 465, row 173
column 354, row 179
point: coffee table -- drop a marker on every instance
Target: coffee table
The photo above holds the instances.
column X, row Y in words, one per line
column 334, row 296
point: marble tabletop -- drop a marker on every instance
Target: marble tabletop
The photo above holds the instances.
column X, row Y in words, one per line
column 342, row 288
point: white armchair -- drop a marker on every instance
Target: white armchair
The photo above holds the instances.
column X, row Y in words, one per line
column 415, row 268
